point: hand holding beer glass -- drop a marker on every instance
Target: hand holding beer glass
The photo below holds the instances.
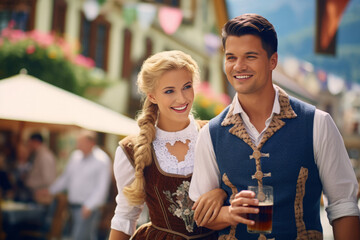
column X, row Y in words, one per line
column 263, row 219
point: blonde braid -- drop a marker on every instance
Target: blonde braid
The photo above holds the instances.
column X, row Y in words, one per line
column 142, row 153
column 151, row 71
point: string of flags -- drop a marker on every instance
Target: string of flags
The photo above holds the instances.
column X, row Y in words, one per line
column 169, row 18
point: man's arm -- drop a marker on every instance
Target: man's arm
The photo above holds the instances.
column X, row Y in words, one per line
column 62, row 182
column 337, row 176
column 346, row 228
column 206, row 175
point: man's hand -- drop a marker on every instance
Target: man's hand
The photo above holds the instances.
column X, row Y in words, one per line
column 241, row 206
column 236, row 212
column 85, row 212
column 43, row 196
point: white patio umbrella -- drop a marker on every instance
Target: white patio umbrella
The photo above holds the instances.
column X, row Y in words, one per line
column 28, row 100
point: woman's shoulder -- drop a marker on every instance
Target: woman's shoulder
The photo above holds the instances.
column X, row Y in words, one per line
column 128, row 140
column 127, row 144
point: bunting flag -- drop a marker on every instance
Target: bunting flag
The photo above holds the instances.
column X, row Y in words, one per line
column 329, row 13
column 335, row 84
column 170, row 19
column 212, row 43
column 145, row 14
column 129, row 13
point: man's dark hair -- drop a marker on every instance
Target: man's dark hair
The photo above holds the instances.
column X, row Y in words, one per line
column 252, row 24
column 37, row 137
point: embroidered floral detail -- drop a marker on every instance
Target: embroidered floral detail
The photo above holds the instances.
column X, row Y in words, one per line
column 182, row 204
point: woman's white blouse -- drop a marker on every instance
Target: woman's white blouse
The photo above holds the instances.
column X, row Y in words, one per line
column 126, row 216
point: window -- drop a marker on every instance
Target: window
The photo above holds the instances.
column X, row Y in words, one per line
column 170, row 3
column 94, row 38
column 21, row 13
column 149, row 47
column 59, row 15
column 135, row 103
column 126, row 61
column 85, row 37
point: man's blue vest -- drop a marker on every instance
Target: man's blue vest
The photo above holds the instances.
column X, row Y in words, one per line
column 290, row 161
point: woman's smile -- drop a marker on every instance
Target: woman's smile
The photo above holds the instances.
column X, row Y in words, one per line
column 181, row 109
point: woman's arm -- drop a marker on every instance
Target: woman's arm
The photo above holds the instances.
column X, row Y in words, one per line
column 208, row 206
column 125, row 217
column 117, row 235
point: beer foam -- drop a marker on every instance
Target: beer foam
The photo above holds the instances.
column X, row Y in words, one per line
column 266, row 204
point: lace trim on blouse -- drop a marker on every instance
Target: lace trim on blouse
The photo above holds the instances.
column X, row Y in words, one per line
column 168, row 162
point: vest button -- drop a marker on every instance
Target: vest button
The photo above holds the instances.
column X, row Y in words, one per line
column 256, row 154
column 259, row 175
column 262, row 237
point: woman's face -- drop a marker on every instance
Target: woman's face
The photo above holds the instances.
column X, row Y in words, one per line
column 174, row 95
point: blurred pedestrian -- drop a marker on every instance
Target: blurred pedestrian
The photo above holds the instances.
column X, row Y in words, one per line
column 20, row 172
column 6, row 188
column 86, row 179
column 42, row 172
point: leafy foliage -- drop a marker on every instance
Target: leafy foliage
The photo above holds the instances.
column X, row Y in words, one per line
column 207, row 103
column 45, row 56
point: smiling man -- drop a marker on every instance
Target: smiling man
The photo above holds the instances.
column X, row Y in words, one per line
column 266, row 137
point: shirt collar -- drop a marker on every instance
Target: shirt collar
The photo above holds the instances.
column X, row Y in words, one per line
column 239, row 109
column 190, row 132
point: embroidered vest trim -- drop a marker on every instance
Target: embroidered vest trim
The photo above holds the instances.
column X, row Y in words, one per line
column 262, row 158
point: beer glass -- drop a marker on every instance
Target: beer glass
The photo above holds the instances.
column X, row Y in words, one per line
column 263, row 219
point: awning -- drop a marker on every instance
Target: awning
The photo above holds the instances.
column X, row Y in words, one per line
column 24, row 98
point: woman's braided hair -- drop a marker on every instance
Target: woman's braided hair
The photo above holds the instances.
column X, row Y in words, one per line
column 152, row 69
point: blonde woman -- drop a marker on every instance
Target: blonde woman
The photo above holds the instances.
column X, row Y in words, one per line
column 156, row 166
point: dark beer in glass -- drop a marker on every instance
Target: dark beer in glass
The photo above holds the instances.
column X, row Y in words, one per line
column 263, row 219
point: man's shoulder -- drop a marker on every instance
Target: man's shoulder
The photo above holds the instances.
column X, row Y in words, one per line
column 299, row 102
column 101, row 155
column 45, row 153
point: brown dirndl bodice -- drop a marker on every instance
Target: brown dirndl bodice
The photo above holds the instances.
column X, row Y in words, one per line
column 167, row 197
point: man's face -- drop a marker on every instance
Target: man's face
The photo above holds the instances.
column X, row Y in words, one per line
column 33, row 145
column 247, row 66
column 84, row 144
